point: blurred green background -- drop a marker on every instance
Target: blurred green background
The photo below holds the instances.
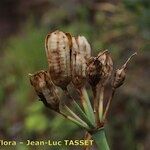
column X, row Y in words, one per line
column 122, row 27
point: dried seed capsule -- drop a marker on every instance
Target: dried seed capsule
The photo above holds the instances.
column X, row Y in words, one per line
column 45, row 89
column 99, row 68
column 119, row 78
column 81, row 51
column 107, row 66
column 120, row 74
column 93, row 71
column 58, row 49
column 84, row 47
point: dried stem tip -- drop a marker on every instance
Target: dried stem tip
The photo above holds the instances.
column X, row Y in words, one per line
column 120, row 74
column 45, row 89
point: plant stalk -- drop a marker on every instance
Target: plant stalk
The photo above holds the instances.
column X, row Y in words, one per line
column 87, row 137
column 101, row 99
column 108, row 104
column 100, row 139
column 87, row 105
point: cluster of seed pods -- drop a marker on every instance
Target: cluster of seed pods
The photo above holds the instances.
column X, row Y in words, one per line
column 69, row 61
column 67, row 56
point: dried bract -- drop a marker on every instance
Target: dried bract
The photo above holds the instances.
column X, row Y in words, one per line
column 120, row 74
column 45, row 89
column 81, row 51
column 58, row 50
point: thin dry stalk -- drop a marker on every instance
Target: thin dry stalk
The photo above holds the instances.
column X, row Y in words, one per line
column 96, row 104
column 101, row 99
column 108, row 104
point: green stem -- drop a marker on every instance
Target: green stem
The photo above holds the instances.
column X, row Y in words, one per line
column 78, row 119
column 100, row 139
column 87, row 105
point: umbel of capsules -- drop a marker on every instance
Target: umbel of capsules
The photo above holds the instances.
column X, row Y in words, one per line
column 70, row 63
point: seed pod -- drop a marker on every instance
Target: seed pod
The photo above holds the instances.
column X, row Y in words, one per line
column 81, row 51
column 119, row 77
column 120, row 74
column 84, row 47
column 93, row 71
column 107, row 66
column 99, row 68
column 45, row 89
column 58, row 49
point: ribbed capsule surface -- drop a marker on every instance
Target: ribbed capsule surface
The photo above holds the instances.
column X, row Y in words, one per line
column 83, row 47
column 58, row 46
column 45, row 89
column 81, row 51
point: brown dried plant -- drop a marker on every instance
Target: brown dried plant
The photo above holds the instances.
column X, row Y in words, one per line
column 70, row 63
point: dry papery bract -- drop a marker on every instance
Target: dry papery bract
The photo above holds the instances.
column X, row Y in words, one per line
column 70, row 61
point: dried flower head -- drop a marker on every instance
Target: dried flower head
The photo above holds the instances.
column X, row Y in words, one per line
column 120, row 74
column 58, row 50
column 81, row 51
column 45, row 89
